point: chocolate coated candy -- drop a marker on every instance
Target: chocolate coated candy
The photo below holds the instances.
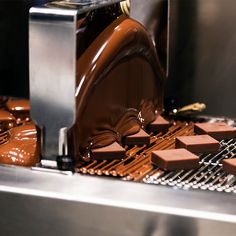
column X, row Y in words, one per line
column 175, row 159
column 219, row 130
column 229, row 166
column 140, row 138
column 198, row 143
column 159, row 125
column 111, row 152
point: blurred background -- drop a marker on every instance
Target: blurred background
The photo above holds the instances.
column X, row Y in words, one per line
column 202, row 55
column 202, row 50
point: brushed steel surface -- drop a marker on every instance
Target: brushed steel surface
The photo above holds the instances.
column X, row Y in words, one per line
column 52, row 42
column 56, row 204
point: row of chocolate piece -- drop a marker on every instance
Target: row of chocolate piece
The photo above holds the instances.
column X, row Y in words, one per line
column 116, row 151
column 19, row 144
column 206, row 141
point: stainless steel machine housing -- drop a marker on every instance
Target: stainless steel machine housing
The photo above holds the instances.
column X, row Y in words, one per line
column 62, row 203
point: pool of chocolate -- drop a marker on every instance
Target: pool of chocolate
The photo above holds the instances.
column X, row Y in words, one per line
column 19, row 142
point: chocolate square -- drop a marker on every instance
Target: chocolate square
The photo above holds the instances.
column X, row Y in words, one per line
column 111, row 152
column 229, row 166
column 218, row 130
column 197, row 143
column 140, row 138
column 159, row 125
column 175, row 159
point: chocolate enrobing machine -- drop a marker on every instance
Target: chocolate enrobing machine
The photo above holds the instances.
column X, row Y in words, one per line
column 60, row 202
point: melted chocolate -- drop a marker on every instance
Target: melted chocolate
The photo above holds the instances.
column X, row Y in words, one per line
column 117, row 73
column 7, row 120
column 20, row 146
column 19, row 108
column 127, row 124
column 18, row 137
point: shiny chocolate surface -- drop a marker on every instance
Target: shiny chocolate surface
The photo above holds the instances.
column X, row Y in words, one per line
column 19, row 144
column 18, row 105
column 7, row 120
column 19, row 108
column 119, row 74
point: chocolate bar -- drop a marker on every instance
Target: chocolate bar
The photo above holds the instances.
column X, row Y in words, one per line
column 175, row 159
column 229, row 166
column 218, row 130
column 159, row 125
column 197, row 143
column 111, row 152
column 140, row 138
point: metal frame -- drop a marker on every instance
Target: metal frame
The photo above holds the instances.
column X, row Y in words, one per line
column 55, row 204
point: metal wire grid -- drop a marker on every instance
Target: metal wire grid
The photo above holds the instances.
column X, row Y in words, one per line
column 209, row 176
column 137, row 166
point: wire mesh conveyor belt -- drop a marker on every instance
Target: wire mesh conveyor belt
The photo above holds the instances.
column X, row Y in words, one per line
column 137, row 166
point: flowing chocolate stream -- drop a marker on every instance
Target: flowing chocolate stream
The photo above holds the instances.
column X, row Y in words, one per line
column 119, row 71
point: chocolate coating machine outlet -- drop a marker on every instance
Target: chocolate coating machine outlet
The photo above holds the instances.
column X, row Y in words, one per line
column 53, row 202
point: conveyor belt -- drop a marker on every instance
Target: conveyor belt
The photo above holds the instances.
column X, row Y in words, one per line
column 137, row 166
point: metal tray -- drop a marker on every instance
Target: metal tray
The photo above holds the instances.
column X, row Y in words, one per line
column 39, row 203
